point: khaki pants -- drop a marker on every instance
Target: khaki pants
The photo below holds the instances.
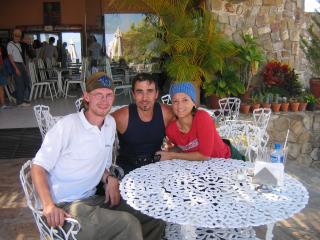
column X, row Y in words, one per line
column 101, row 223
column 120, row 223
column 152, row 229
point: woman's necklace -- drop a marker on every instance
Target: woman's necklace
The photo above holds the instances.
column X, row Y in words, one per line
column 183, row 129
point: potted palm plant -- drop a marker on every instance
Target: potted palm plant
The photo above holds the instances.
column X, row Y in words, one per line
column 186, row 33
column 311, row 47
column 251, row 55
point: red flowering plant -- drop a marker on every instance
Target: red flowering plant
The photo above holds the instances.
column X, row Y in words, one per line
column 275, row 73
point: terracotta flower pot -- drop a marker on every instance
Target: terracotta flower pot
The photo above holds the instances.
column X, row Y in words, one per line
column 255, row 106
column 213, row 102
column 266, row 105
column 315, row 87
column 294, row 106
column 284, row 107
column 244, row 108
column 303, row 106
column 275, row 107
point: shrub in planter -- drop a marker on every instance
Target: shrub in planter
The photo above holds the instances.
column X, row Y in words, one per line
column 312, row 102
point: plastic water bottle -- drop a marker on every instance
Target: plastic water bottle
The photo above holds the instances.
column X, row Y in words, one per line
column 277, row 156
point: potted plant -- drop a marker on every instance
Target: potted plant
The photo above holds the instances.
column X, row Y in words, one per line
column 265, row 101
column 294, row 104
column 275, row 103
column 312, row 101
column 251, row 55
column 186, row 34
column 225, row 83
column 303, row 101
column 255, row 102
column 245, row 107
column 284, row 104
column 311, row 47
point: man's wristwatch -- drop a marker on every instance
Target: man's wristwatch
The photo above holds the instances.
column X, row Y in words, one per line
column 116, row 171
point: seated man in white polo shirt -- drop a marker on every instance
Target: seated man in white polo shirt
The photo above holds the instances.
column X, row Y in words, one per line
column 75, row 155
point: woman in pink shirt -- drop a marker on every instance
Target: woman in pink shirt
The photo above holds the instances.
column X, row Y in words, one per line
column 193, row 133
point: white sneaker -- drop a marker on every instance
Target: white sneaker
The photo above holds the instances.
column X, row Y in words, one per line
column 4, row 107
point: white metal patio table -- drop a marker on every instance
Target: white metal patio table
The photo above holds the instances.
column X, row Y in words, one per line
column 209, row 195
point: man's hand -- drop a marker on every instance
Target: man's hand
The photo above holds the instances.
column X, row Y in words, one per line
column 55, row 216
column 112, row 191
column 18, row 72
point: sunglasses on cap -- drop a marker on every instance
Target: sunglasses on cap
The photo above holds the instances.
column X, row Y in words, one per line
column 105, row 81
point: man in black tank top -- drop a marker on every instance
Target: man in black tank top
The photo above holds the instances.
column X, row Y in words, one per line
column 141, row 130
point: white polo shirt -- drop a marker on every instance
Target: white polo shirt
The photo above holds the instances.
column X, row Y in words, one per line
column 14, row 49
column 75, row 155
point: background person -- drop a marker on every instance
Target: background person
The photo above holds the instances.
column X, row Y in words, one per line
column 21, row 77
column 49, row 50
column 3, row 81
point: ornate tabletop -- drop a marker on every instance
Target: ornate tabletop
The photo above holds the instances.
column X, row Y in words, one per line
column 209, row 194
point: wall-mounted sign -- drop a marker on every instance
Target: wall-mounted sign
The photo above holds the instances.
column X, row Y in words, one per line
column 51, row 13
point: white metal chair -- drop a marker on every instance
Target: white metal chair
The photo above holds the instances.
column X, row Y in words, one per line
column 244, row 136
column 78, row 103
column 123, row 89
column 261, row 117
column 44, row 118
column 81, row 81
column 229, row 108
column 35, row 84
column 166, row 99
column 71, row 226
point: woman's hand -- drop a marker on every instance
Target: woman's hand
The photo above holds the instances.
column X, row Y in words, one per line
column 165, row 155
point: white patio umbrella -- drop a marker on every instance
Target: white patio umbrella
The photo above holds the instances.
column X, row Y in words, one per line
column 72, row 50
column 116, row 45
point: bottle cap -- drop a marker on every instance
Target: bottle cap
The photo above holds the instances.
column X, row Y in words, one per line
column 277, row 146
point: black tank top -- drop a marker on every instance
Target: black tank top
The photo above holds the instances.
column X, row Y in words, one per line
column 141, row 138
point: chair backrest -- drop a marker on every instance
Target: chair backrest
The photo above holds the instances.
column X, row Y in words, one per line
column 44, row 118
column 34, row 203
column 78, row 103
column 261, row 117
column 244, row 136
column 166, row 99
column 123, row 89
column 107, row 66
column 229, row 108
column 42, row 69
column 33, row 73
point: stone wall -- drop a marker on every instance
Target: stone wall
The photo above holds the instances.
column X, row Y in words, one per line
column 304, row 137
column 277, row 24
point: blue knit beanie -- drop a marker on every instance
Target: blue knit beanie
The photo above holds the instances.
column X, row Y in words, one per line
column 183, row 87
